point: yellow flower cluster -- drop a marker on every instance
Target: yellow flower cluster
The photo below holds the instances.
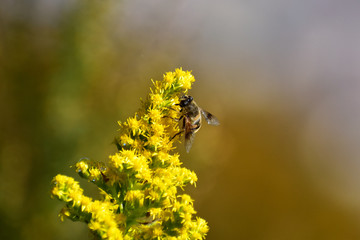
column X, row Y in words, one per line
column 139, row 182
column 101, row 216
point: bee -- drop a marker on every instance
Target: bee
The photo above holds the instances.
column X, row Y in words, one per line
column 192, row 119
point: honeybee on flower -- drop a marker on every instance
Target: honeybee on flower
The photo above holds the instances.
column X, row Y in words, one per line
column 192, row 119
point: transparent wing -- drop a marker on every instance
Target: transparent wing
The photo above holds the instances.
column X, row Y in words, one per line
column 189, row 135
column 210, row 119
column 189, row 139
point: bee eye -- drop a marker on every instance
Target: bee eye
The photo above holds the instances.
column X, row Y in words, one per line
column 183, row 103
column 186, row 101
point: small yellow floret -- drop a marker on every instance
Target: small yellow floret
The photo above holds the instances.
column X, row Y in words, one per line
column 154, row 141
column 202, row 225
column 155, row 115
column 64, row 213
column 158, row 129
column 156, row 99
column 114, row 233
column 82, row 166
column 133, row 195
column 94, row 225
column 126, row 139
column 134, row 124
column 95, row 173
column 156, row 213
column 163, row 156
column 157, row 231
column 169, row 77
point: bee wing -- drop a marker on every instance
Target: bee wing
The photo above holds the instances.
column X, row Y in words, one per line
column 210, row 119
column 189, row 139
column 189, row 135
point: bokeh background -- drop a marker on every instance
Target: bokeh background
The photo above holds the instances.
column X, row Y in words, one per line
column 282, row 76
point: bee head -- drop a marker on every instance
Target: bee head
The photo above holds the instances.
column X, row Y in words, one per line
column 185, row 100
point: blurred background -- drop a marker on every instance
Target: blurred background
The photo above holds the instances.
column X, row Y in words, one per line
column 281, row 76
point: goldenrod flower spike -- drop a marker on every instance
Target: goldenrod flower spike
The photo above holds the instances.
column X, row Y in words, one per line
column 139, row 183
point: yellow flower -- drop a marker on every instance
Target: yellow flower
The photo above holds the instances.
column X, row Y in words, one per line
column 155, row 115
column 64, row 213
column 138, row 144
column 156, row 213
column 147, row 154
column 137, row 163
column 176, row 206
column 159, row 183
column 174, row 160
column 186, row 199
column 196, row 235
column 154, row 141
column 186, row 217
column 85, row 202
column 94, row 225
column 126, row 139
column 202, row 225
column 82, row 166
column 116, row 161
column 139, row 184
column 75, row 197
column 163, row 156
column 158, row 87
column 144, row 174
column 157, row 231
column 174, row 113
column 167, row 146
column 169, row 77
column 192, row 177
column 153, row 195
column 134, row 125
column 133, row 195
column 158, row 129
column 156, row 99
column 185, row 78
column 95, row 173
column 113, row 233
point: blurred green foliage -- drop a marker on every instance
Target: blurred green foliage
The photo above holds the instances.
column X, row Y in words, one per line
column 54, row 77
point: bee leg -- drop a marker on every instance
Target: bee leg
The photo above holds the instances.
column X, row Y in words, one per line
column 177, row 105
column 195, row 128
column 176, row 119
column 176, row 135
column 175, row 109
